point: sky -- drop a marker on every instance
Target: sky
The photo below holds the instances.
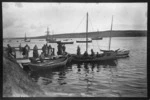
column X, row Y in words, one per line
column 34, row 18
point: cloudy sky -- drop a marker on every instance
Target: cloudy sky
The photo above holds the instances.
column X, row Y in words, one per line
column 34, row 18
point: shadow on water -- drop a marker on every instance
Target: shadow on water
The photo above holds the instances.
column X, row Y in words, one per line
column 89, row 73
column 59, row 73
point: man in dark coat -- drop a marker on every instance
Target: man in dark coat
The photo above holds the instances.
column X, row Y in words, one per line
column 64, row 49
column 27, row 50
column 46, row 50
column 92, row 53
column 59, row 48
column 78, row 51
column 49, row 50
column 35, row 52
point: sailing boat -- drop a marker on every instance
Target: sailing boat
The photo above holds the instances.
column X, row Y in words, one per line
column 120, row 53
column 50, row 39
column 25, row 39
column 105, row 56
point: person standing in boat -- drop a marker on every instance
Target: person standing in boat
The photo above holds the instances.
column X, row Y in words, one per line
column 59, row 48
column 53, row 51
column 97, row 55
column 63, row 48
column 43, row 49
column 78, row 51
column 92, row 53
column 46, row 50
column 35, row 52
column 24, row 52
column 49, row 50
column 27, row 50
column 85, row 54
column 42, row 57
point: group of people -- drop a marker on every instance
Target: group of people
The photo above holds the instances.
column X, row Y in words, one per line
column 25, row 51
column 86, row 54
column 46, row 51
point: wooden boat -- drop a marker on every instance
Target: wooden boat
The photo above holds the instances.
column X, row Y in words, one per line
column 105, row 56
column 25, row 39
column 50, row 39
column 67, row 42
column 97, row 38
column 49, row 64
column 84, row 41
column 123, row 52
column 120, row 53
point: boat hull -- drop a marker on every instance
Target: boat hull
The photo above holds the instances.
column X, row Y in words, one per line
column 122, row 56
column 48, row 65
column 120, row 53
column 100, row 38
column 67, row 42
column 106, row 57
column 83, row 41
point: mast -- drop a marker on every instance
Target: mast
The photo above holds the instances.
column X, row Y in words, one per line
column 47, row 33
column 87, row 34
column 110, row 33
column 25, row 37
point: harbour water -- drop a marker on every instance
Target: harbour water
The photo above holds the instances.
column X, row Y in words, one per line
column 125, row 78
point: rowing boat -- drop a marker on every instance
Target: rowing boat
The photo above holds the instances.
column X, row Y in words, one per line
column 106, row 56
column 53, row 63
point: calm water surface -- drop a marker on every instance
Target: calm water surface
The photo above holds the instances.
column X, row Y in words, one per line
column 125, row 78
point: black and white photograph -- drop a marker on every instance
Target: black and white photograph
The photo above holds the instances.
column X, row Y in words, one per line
column 64, row 49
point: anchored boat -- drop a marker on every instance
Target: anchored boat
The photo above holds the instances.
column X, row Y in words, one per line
column 120, row 53
column 97, row 38
column 105, row 56
column 25, row 39
column 50, row 39
column 84, row 41
column 67, row 41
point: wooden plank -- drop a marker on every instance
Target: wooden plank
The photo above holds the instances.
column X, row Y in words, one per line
column 30, row 49
column 23, row 61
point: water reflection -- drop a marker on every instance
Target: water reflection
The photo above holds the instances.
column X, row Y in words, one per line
column 61, row 77
column 61, row 71
column 126, row 76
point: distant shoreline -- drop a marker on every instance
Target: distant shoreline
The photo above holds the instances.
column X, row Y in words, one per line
column 115, row 33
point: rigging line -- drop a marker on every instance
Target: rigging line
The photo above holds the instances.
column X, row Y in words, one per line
column 96, row 40
column 93, row 31
column 98, row 45
column 92, row 28
column 91, row 24
column 79, row 24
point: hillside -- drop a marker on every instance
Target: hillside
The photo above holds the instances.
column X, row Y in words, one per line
column 100, row 34
column 116, row 33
